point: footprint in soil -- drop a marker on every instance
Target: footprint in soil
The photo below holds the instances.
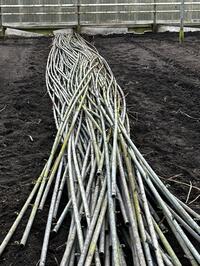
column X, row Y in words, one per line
column 4, row 169
column 7, row 132
column 18, row 107
column 21, row 82
column 11, row 127
column 8, row 125
column 24, row 90
column 32, row 68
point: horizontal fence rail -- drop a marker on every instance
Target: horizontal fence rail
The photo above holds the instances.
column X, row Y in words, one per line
column 23, row 14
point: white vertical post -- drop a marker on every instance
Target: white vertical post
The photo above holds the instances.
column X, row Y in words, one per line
column 60, row 10
column 98, row 20
column 1, row 16
column 21, row 10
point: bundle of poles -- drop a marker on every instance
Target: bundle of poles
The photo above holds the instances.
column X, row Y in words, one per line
column 113, row 194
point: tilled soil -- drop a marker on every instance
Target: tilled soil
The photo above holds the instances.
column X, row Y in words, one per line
column 161, row 80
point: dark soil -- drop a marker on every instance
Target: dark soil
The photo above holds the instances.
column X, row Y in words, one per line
column 161, row 80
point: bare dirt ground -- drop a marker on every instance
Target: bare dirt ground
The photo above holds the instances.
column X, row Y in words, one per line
column 161, row 80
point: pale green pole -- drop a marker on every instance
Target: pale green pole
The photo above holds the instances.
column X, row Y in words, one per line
column 182, row 13
column 154, row 17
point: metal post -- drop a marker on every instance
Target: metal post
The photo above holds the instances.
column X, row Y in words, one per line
column 0, row 16
column 1, row 20
column 182, row 13
column 78, row 17
column 154, row 17
column 98, row 15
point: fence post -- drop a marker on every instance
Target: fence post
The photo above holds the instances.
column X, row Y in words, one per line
column 1, row 21
column 182, row 13
column 78, row 17
column 154, row 17
column 0, row 16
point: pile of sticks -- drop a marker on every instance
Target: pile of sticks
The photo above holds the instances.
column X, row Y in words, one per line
column 113, row 193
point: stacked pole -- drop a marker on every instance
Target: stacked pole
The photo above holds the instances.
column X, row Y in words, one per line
column 113, row 193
